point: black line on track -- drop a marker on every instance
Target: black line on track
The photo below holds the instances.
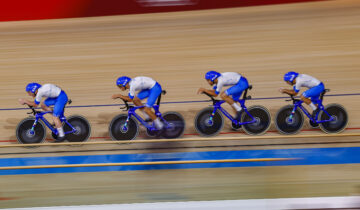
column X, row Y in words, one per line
column 177, row 102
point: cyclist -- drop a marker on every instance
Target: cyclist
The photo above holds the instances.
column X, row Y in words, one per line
column 147, row 88
column 238, row 82
column 55, row 97
column 310, row 96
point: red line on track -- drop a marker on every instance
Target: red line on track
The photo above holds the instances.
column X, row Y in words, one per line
column 194, row 134
column 6, row 199
column 8, row 141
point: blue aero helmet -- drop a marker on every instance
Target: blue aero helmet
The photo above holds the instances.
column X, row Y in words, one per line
column 32, row 87
column 290, row 76
column 212, row 75
column 122, row 81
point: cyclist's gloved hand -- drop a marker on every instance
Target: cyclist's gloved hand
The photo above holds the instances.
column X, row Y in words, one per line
column 281, row 90
column 21, row 101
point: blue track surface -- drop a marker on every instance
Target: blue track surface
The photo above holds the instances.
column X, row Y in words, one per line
column 311, row 156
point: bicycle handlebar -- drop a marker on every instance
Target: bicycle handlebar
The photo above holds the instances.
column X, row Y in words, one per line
column 211, row 97
column 292, row 98
column 33, row 111
column 126, row 107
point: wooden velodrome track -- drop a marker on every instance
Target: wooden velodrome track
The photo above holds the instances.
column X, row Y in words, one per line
column 85, row 56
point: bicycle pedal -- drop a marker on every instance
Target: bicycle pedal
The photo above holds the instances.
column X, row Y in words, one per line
column 313, row 124
column 235, row 127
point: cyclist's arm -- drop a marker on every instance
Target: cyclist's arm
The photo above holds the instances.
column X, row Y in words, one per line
column 211, row 92
column 208, row 91
column 30, row 103
column 126, row 98
column 115, row 96
column 290, row 92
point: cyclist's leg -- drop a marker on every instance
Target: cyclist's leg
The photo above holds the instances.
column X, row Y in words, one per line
column 59, row 107
column 312, row 95
column 47, row 103
column 137, row 101
column 233, row 94
column 154, row 94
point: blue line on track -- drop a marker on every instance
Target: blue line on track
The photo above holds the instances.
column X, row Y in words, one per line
column 178, row 102
column 307, row 156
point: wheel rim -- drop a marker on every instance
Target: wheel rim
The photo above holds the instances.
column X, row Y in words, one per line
column 287, row 126
column 120, row 132
column 339, row 121
column 175, row 125
column 261, row 120
column 206, row 128
column 25, row 135
column 82, row 129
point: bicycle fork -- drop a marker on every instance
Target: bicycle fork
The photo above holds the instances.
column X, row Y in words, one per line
column 125, row 128
column 32, row 130
column 210, row 121
column 292, row 115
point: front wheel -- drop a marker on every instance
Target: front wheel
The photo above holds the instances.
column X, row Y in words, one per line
column 24, row 134
column 82, row 127
column 175, row 125
column 340, row 118
column 118, row 130
column 262, row 120
column 284, row 124
column 206, row 127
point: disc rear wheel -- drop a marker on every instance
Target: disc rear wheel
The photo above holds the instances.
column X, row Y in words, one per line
column 340, row 118
column 261, row 118
column 175, row 125
column 82, row 127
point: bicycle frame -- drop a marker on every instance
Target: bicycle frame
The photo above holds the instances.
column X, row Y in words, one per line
column 298, row 104
column 131, row 112
column 217, row 106
column 40, row 116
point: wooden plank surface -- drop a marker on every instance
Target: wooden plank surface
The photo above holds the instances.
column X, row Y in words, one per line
column 84, row 56
column 179, row 185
